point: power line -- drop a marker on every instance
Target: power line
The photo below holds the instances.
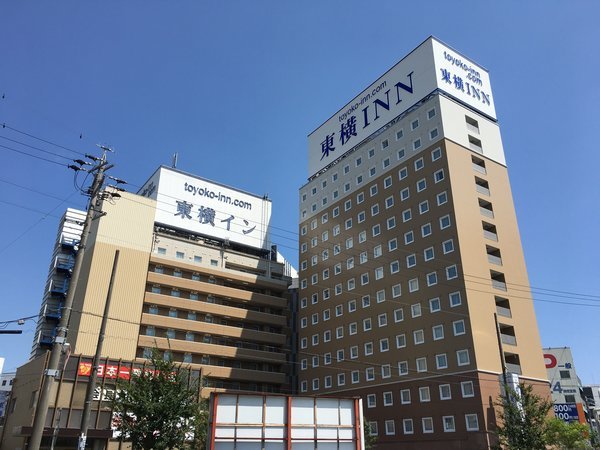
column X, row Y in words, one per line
column 33, row 156
column 36, row 148
column 43, row 140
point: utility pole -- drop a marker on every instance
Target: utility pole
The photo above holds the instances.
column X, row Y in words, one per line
column 87, row 407
column 52, row 371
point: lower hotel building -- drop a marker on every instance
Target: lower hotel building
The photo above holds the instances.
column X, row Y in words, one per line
column 197, row 278
column 413, row 292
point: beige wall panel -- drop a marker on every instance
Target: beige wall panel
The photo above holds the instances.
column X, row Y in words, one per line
column 128, row 227
column 476, row 267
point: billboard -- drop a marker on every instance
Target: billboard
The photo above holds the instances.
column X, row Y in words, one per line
column 278, row 422
column 201, row 206
column 431, row 66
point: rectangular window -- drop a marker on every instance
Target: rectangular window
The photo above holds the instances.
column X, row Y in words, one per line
column 382, row 319
column 406, row 215
column 390, row 427
column 427, row 423
column 413, row 285
column 442, row 198
column 371, row 401
column 462, row 357
column 409, row 237
column 399, row 134
column 341, row 379
column 444, row 222
column 432, row 279
column 355, row 375
column 421, row 364
column 373, row 190
column 437, row 332
column 441, row 361
column 435, row 305
column 467, row 389
column 398, row 315
column 451, row 272
column 403, row 368
column 376, row 230
column 392, row 244
column 401, row 341
column 459, row 327
column 438, row 175
column 407, row 425
column 428, row 254
column 472, row 422
column 433, row 134
column 419, row 337
column 449, row 426
column 384, row 345
column 379, row 273
column 367, row 324
column 404, row 194
column 448, row 246
column 455, row 299
column 387, row 182
column 391, row 222
column 402, row 173
column 424, row 207
column 179, row 255
column 396, row 290
column 405, row 396
column 445, row 392
column 414, row 124
column 421, row 185
column 394, row 267
column 411, row 260
column 424, row 395
column 366, row 301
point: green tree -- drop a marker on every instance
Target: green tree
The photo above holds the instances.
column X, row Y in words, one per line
column 566, row 436
column 522, row 421
column 370, row 438
column 159, row 409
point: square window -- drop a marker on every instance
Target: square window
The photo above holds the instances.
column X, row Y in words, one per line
column 409, row 237
column 371, row 401
column 455, row 299
column 436, row 154
column 403, row 368
column 444, row 222
column 424, row 395
column 367, row 324
column 394, row 267
column 432, row 279
column 401, row 341
column 386, row 162
column 445, row 392
column 387, row 182
column 435, row 305
column 391, row 222
column 449, row 425
column 448, row 246
column 433, row 134
column 354, row 352
column 398, row 315
column 368, row 347
column 371, row 152
column 396, row 290
column 379, row 273
column 392, row 244
column 380, row 296
column 421, row 185
column 361, row 217
column 359, row 179
column 366, row 301
column 467, row 389
column 441, row 361
column 384, row 345
column 442, row 198
column 419, row 164
column 402, row 173
column 352, row 328
column 372, row 171
column 388, row 397
column 419, row 337
column 472, row 422
column 413, row 285
column 458, row 327
column 414, row 124
column 406, row 215
column 424, row 207
column 373, row 190
column 375, row 209
column 462, row 357
column 431, row 113
column 428, row 254
column 399, row 134
column 363, row 257
column 437, row 332
column 404, row 194
column 438, row 175
column 411, row 260
column 348, row 224
column 376, row 230
column 451, row 272
column 181, row 255
column 384, row 144
column 389, row 202
column 382, row 320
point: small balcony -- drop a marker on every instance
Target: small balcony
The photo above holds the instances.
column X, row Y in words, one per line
column 498, row 280
column 53, row 312
column 504, row 312
column 59, row 287
column 494, row 256
column 46, row 339
column 64, row 264
column 513, row 368
column 486, row 209
column 69, row 243
column 513, row 363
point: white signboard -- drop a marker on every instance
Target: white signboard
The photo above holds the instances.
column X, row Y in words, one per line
column 259, row 422
column 431, row 66
column 200, row 206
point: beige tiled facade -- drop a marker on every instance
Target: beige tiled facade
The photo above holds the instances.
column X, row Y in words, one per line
column 409, row 249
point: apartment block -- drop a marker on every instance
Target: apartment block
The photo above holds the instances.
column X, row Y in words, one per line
column 413, row 287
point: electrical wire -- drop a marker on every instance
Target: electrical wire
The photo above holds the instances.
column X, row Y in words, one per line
column 43, row 140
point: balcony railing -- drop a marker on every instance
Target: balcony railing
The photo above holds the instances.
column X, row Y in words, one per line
column 499, row 285
column 59, row 287
column 504, row 312
column 508, row 339
column 482, row 189
column 64, row 263
column 54, row 313
column 478, row 168
column 495, row 260
column 472, row 128
column 490, row 235
column 486, row 212
column 513, row 368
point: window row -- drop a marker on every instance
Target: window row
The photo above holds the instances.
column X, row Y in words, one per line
column 427, row 425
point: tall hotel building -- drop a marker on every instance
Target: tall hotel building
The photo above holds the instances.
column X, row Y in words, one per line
column 197, row 278
column 413, row 286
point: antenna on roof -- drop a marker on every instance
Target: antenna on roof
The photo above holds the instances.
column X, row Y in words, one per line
column 174, row 160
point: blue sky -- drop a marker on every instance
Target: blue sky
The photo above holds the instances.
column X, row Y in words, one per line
column 236, row 86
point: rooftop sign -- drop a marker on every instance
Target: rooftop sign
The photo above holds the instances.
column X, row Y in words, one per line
column 200, row 206
column 431, row 66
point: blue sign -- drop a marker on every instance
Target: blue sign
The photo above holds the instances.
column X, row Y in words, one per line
column 566, row 411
